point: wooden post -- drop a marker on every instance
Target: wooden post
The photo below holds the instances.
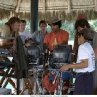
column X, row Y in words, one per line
column 34, row 15
column 18, row 5
column 69, row 6
column 44, row 6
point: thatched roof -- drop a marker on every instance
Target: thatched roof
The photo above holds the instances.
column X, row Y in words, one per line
column 64, row 9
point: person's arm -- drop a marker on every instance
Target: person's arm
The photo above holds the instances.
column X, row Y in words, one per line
column 65, row 38
column 82, row 64
column 82, row 60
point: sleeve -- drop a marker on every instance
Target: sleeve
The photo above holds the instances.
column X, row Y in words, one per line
column 4, row 31
column 29, row 35
column 34, row 35
column 65, row 37
column 82, row 53
column 46, row 39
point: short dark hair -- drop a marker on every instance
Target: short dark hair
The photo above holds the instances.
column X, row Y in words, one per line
column 13, row 20
column 58, row 23
column 42, row 22
column 81, row 23
column 84, row 33
column 23, row 21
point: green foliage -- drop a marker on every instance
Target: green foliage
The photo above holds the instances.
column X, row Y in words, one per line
column 93, row 24
column 69, row 27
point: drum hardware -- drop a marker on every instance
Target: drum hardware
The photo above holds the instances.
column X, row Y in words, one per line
column 62, row 85
column 28, row 86
column 58, row 89
column 50, row 81
column 37, row 89
column 4, row 52
column 36, row 59
column 28, row 83
column 58, row 57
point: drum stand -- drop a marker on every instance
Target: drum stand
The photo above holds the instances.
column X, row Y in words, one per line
column 37, row 88
column 58, row 77
column 37, row 85
column 28, row 83
column 27, row 86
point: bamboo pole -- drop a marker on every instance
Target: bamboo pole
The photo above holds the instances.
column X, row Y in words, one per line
column 18, row 5
column 69, row 6
column 44, row 9
column 95, row 5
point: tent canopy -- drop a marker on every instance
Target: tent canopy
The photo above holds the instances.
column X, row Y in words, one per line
column 64, row 9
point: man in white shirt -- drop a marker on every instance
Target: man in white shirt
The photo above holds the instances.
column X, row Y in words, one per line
column 24, row 35
column 84, row 67
column 82, row 23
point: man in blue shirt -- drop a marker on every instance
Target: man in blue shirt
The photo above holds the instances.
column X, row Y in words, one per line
column 38, row 36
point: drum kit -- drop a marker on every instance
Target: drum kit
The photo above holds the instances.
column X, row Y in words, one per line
column 50, row 80
column 44, row 69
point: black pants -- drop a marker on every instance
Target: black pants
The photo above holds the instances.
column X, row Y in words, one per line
column 84, row 84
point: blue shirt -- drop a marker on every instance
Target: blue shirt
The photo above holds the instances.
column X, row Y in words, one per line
column 38, row 37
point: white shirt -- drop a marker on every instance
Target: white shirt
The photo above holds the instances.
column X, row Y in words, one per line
column 25, row 35
column 85, row 51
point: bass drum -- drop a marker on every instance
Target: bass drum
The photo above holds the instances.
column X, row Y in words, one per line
column 34, row 55
column 60, row 55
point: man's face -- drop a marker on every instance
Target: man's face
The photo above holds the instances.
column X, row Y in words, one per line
column 80, row 40
column 43, row 27
column 15, row 26
column 54, row 28
column 22, row 27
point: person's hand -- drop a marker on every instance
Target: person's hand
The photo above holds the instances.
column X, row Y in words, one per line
column 64, row 68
